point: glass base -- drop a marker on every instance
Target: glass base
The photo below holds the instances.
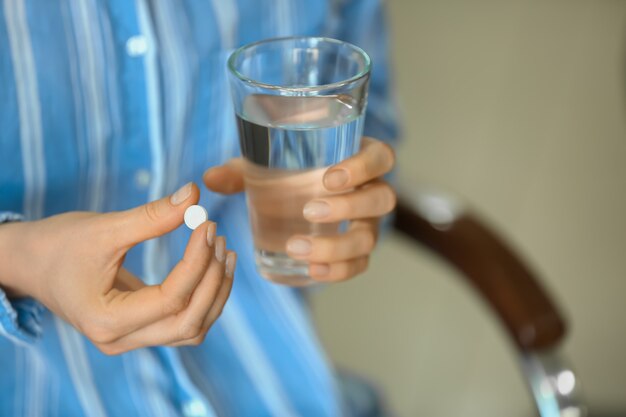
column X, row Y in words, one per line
column 280, row 268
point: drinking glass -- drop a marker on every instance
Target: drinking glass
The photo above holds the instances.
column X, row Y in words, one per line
column 300, row 104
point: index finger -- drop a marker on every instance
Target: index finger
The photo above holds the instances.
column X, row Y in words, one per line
column 375, row 159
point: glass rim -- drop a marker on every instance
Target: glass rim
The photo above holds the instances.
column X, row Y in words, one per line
column 361, row 74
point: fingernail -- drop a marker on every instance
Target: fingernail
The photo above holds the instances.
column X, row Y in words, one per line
column 299, row 246
column 220, row 249
column 319, row 270
column 231, row 260
column 316, row 210
column 210, row 233
column 181, row 195
column 336, row 178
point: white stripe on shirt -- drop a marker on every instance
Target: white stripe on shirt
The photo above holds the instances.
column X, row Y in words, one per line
column 176, row 105
column 200, row 405
column 114, row 104
column 304, row 338
column 130, row 363
column 89, row 43
column 226, row 16
column 153, row 99
column 19, row 398
column 36, row 393
column 254, row 361
column 284, row 15
column 111, row 73
column 177, row 62
column 78, row 102
column 147, row 367
column 78, row 367
column 26, row 85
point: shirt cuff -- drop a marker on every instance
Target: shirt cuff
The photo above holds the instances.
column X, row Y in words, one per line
column 9, row 216
column 20, row 318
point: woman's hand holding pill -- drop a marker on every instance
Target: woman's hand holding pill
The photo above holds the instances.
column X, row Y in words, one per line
column 364, row 198
column 72, row 263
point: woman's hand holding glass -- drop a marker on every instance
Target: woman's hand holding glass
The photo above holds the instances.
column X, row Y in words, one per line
column 366, row 198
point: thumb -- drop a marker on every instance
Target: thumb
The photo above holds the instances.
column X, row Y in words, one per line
column 225, row 179
column 157, row 217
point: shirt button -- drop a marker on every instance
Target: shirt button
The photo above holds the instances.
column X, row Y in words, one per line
column 136, row 45
column 142, row 178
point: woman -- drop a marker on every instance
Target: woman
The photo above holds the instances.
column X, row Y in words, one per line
column 106, row 108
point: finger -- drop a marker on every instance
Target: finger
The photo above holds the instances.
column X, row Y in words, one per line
column 218, row 305
column 371, row 200
column 338, row 271
column 179, row 284
column 358, row 241
column 375, row 159
column 225, row 179
column 151, row 220
column 192, row 319
column 127, row 311
column 186, row 328
column 224, row 292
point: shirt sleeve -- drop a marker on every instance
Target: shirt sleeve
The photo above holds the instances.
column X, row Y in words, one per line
column 364, row 24
column 20, row 318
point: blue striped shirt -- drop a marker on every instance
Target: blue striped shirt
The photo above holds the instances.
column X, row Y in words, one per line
column 108, row 104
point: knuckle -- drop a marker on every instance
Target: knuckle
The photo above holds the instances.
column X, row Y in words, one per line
column 190, row 331
column 389, row 154
column 151, row 212
column 391, row 199
column 110, row 321
column 175, row 303
column 101, row 327
column 100, row 334
column 323, row 249
column 362, row 168
column 368, row 241
column 196, row 341
column 110, row 349
column 342, row 272
column 352, row 269
column 342, row 207
column 362, row 264
column 104, row 348
column 216, row 315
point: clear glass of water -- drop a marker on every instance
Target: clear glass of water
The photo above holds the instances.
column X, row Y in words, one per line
column 300, row 104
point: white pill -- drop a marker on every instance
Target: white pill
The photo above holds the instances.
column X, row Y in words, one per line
column 195, row 216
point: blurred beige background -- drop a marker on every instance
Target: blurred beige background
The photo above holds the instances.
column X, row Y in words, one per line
column 519, row 106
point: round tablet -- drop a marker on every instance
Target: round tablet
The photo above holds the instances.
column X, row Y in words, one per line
column 195, row 216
